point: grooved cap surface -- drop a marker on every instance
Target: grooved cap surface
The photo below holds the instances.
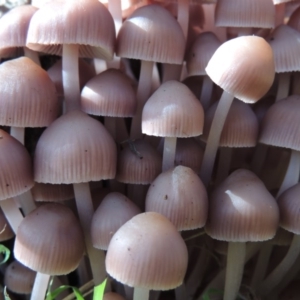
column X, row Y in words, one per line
column 147, row 251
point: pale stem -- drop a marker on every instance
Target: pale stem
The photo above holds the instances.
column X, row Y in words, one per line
column 33, row 55
column 110, row 124
column 169, row 153
column 70, row 75
column 282, row 269
column 206, row 92
column 40, row 286
column 99, row 65
column 225, row 154
column 214, row 137
column 114, row 7
column 283, row 85
column 291, row 177
column 181, row 292
column 85, row 211
column 155, row 79
column 171, row 72
column 261, row 264
column 27, row 203
column 18, row 133
column 140, row 293
column 12, row 213
column 259, row 157
column 83, row 271
column 234, row 269
column 244, row 31
column 143, row 93
column 183, row 16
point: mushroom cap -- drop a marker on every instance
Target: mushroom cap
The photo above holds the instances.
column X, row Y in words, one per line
column 151, row 33
column 289, row 207
column 243, row 67
column 241, row 209
column 179, row 195
column 28, row 95
column 114, row 210
column 285, row 43
column 110, row 94
column 281, row 124
column 74, row 149
column 16, row 175
column 173, row 111
column 50, row 240
column 133, row 260
column 88, row 23
column 246, row 13
column 18, row 278
column 240, row 128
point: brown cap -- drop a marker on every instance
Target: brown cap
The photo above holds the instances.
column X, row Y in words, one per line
column 50, row 240
column 241, row 209
column 281, row 124
column 243, row 67
column 151, row 33
column 109, row 94
column 180, row 195
column 133, row 259
column 16, row 175
column 114, row 210
column 173, row 111
column 28, row 96
column 88, row 23
column 18, row 278
column 73, row 149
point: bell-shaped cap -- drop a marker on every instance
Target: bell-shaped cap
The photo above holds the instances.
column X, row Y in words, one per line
column 243, row 67
column 88, row 23
column 151, row 33
column 281, row 124
column 147, row 251
column 73, row 149
column 50, row 240
column 114, row 211
column 179, row 195
column 110, row 94
column 241, row 210
column 16, row 175
column 28, row 96
column 173, row 111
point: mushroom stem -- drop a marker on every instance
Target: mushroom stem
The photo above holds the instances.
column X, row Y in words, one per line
column 171, row 72
column 110, row 124
column 140, row 293
column 70, row 74
column 12, row 213
column 34, row 56
column 206, row 91
column 40, row 286
column 169, row 153
column 18, row 133
column 143, row 93
column 292, row 174
column 85, row 211
column 234, row 270
column 214, row 137
column 281, row 270
column 283, row 85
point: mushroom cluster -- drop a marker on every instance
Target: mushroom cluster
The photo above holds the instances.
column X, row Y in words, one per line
column 153, row 144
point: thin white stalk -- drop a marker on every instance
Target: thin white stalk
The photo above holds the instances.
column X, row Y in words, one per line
column 70, row 75
column 292, row 174
column 143, row 93
column 283, row 85
column 140, row 293
column 85, row 211
column 12, row 213
column 169, row 153
column 99, row 65
column 243, row 31
column 234, row 269
column 18, row 133
column 206, row 92
column 282, row 269
column 33, row 55
column 40, row 286
column 27, row 203
column 214, row 137
column 171, row 72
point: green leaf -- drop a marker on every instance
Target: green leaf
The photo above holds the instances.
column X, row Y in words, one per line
column 99, row 290
column 6, row 253
column 52, row 295
column 6, row 296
